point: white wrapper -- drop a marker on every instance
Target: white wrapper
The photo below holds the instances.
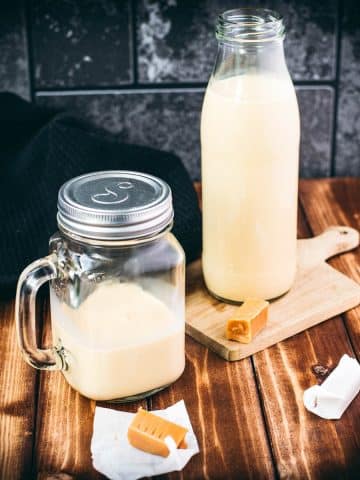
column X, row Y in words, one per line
column 115, row 458
column 330, row 399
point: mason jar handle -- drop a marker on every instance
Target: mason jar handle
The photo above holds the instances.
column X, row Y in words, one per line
column 30, row 280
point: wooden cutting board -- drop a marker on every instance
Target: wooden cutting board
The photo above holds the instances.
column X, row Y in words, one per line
column 319, row 292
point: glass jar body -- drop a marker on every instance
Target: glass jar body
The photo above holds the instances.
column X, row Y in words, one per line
column 118, row 315
column 250, row 136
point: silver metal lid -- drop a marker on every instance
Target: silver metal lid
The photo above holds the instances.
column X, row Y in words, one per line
column 115, row 205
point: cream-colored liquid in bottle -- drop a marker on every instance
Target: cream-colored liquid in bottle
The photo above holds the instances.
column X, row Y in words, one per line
column 249, row 146
column 121, row 341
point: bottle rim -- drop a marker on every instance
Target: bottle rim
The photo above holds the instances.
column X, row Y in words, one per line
column 249, row 24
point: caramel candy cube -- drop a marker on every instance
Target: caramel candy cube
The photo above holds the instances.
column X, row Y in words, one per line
column 249, row 319
column 147, row 432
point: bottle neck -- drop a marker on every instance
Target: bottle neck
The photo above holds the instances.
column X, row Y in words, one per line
column 234, row 59
column 250, row 42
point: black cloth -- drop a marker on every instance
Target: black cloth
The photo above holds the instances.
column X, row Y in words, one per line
column 40, row 149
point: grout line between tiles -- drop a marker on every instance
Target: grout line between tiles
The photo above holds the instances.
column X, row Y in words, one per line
column 29, row 48
column 115, row 91
column 339, row 18
column 133, row 40
column 152, row 88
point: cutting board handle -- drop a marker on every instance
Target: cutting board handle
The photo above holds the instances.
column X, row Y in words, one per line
column 332, row 241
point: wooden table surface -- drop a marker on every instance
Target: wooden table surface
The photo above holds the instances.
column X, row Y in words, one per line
column 248, row 416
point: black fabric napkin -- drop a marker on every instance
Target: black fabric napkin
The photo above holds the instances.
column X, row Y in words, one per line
column 40, row 149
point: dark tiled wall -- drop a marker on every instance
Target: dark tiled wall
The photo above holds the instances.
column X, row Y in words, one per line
column 139, row 69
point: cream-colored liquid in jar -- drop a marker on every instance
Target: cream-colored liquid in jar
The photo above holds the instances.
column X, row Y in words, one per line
column 249, row 146
column 121, row 341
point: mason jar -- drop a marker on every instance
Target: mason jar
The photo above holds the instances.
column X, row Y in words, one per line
column 117, row 293
column 250, row 134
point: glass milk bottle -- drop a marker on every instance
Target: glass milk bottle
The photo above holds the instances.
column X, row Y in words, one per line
column 250, row 136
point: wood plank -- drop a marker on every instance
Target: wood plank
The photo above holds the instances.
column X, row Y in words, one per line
column 306, row 446
column 17, row 400
column 65, row 424
column 224, row 409
column 318, row 199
